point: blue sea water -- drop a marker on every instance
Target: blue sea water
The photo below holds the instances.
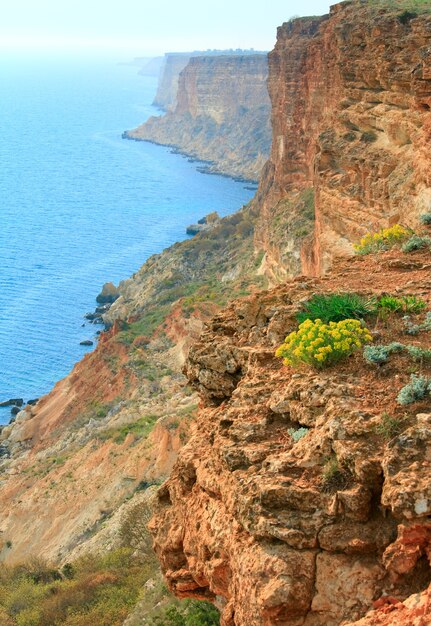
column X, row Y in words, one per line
column 80, row 206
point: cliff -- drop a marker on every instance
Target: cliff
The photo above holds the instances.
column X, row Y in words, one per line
column 351, row 99
column 306, row 530
column 172, row 66
column 222, row 114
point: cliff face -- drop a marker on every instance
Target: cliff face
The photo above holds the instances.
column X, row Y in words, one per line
column 222, row 114
column 351, row 99
column 259, row 521
column 173, row 65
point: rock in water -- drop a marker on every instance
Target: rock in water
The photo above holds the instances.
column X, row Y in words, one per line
column 12, row 402
column 108, row 295
column 86, row 342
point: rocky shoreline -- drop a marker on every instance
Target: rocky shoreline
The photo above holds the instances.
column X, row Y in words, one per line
column 207, row 167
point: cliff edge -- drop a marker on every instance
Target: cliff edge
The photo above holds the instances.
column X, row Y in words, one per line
column 351, row 100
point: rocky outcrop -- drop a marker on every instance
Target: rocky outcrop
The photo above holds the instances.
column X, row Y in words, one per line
column 222, row 114
column 304, row 530
column 351, row 100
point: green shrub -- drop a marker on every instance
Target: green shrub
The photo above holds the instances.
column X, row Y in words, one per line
column 416, row 242
column 425, row 219
column 336, row 307
column 379, row 354
column 319, row 344
column 385, row 239
column 188, row 613
column 406, row 304
column 415, row 329
column 415, row 390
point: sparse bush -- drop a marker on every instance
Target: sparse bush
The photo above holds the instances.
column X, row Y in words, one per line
column 319, row 344
column 415, row 329
column 415, row 390
column 389, row 426
column 334, row 476
column 379, row 354
column 385, row 239
column 425, row 218
column 416, row 242
column 336, row 307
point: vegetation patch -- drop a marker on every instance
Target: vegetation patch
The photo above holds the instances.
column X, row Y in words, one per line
column 403, row 304
column 336, row 307
column 320, row 345
column 334, row 475
column 145, row 326
column 384, row 239
column 93, row 591
column 140, row 429
column 415, row 390
column 416, row 242
column 389, row 426
column 378, row 355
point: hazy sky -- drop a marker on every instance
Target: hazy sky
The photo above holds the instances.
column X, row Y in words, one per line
column 143, row 26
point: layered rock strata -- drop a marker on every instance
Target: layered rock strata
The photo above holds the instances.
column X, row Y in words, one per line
column 222, row 114
column 351, row 100
column 305, row 530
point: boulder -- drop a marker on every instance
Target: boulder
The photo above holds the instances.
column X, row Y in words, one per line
column 108, row 295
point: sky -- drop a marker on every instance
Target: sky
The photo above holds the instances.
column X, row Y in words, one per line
column 143, row 27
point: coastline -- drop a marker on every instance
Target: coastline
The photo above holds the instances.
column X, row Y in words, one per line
column 209, row 167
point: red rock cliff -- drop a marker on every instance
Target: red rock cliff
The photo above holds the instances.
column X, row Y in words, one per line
column 351, row 99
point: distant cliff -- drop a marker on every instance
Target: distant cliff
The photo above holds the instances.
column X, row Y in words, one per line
column 222, row 113
column 173, row 65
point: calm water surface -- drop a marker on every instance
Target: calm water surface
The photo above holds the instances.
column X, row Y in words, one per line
column 80, row 206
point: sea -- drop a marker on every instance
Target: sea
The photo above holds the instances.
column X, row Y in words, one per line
column 80, row 206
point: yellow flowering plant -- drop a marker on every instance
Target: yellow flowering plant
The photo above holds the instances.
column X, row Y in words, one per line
column 319, row 344
column 383, row 240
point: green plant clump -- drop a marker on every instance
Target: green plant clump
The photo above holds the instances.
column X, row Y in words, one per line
column 415, row 390
column 188, row 613
column 139, row 429
column 336, row 307
column 425, row 218
column 416, row 242
column 405, row 304
column 379, row 354
column 415, row 329
column 319, row 344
